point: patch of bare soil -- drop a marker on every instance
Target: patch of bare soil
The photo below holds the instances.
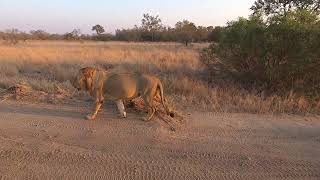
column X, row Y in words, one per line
column 47, row 141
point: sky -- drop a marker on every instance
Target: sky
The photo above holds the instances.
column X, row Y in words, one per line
column 60, row 16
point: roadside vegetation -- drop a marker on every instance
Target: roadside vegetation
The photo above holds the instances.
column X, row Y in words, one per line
column 275, row 54
column 267, row 63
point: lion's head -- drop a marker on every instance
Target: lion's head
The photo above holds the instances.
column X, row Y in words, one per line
column 84, row 79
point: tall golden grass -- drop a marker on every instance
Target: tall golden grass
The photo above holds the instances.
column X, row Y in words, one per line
column 47, row 64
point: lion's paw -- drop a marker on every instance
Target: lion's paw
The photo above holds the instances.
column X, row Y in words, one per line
column 124, row 115
column 90, row 117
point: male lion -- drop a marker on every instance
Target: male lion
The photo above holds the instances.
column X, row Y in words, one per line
column 114, row 86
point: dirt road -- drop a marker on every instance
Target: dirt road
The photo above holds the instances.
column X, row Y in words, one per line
column 54, row 142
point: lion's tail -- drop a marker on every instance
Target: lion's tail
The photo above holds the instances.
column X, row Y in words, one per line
column 160, row 87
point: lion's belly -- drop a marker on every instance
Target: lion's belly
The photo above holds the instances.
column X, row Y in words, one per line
column 120, row 87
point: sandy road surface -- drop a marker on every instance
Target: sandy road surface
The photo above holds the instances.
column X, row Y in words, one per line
column 54, row 142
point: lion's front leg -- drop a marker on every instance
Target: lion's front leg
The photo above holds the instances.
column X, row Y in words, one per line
column 98, row 104
column 93, row 116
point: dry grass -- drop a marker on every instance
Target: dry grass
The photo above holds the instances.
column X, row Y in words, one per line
column 47, row 64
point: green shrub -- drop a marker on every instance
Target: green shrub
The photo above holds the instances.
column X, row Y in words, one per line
column 280, row 54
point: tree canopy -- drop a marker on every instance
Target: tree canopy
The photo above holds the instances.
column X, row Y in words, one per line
column 98, row 29
column 282, row 7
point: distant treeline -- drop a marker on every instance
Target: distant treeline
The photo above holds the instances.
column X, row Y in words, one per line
column 151, row 29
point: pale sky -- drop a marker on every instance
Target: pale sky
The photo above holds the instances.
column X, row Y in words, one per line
column 60, row 16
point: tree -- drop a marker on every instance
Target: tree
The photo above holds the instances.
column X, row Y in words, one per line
column 39, row 34
column 13, row 35
column 133, row 34
column 201, row 34
column 186, row 31
column 74, row 35
column 151, row 24
column 283, row 7
column 98, row 28
column 216, row 34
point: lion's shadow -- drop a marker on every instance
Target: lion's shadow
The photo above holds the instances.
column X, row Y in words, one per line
column 67, row 111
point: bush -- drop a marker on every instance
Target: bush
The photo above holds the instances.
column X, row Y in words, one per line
column 280, row 54
column 103, row 37
column 216, row 34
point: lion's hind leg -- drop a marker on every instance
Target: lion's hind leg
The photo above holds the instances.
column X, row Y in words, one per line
column 150, row 108
column 121, row 108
